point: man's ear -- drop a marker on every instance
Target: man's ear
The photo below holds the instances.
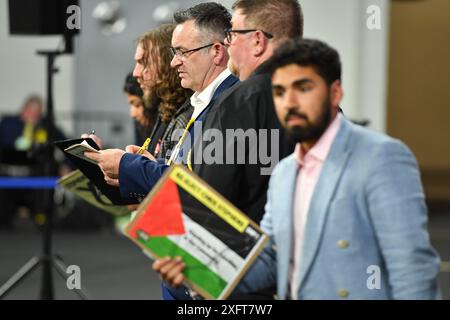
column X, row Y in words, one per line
column 336, row 93
column 220, row 53
column 260, row 43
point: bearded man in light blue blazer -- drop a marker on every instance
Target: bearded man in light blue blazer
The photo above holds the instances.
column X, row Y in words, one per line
column 346, row 212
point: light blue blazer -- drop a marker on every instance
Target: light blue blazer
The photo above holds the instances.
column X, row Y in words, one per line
column 366, row 232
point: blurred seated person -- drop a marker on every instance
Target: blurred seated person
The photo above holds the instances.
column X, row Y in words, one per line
column 18, row 132
column 20, row 138
column 142, row 109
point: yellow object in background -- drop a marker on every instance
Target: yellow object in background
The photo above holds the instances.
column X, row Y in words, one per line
column 24, row 142
column 41, row 136
column 40, row 219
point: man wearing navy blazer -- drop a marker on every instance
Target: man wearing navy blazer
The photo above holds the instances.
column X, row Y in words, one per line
column 201, row 59
column 346, row 212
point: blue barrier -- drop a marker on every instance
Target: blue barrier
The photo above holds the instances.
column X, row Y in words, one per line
column 28, row 183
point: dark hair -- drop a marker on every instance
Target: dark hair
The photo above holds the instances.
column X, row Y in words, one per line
column 308, row 52
column 281, row 18
column 132, row 87
column 211, row 17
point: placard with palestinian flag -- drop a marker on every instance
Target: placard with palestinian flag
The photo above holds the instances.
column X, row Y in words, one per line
column 183, row 216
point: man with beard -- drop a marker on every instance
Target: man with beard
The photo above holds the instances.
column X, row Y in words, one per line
column 345, row 212
column 259, row 27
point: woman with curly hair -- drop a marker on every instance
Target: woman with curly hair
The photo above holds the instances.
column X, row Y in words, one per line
column 161, row 86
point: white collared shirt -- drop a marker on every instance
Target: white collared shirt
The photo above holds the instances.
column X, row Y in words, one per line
column 200, row 100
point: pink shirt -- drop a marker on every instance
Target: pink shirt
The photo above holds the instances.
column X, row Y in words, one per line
column 309, row 168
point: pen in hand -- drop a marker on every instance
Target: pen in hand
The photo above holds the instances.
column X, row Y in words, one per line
column 144, row 146
column 92, row 136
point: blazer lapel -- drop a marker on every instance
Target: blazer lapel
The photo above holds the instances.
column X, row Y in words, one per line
column 282, row 209
column 197, row 144
column 325, row 188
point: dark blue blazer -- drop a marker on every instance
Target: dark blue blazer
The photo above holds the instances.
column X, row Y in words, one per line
column 138, row 175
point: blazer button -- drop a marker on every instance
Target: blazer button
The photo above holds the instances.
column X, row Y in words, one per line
column 343, row 244
column 343, row 293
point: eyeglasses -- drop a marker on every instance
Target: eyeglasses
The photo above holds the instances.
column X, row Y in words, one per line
column 229, row 33
column 186, row 53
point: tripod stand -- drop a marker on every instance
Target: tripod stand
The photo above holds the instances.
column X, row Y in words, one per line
column 47, row 260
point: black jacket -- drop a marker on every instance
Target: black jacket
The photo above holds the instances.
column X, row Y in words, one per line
column 248, row 105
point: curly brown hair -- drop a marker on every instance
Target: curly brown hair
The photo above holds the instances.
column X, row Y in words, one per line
column 156, row 44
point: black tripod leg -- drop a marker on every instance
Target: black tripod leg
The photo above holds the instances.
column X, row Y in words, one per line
column 26, row 269
column 62, row 270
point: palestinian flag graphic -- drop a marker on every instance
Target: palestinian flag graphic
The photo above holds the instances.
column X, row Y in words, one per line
column 185, row 217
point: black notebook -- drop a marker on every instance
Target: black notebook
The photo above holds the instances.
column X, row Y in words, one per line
column 91, row 170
